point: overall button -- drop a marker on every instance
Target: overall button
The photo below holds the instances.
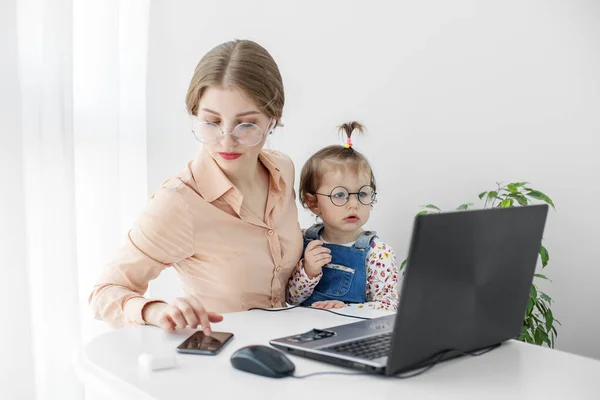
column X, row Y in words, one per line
column 270, row 232
column 278, row 269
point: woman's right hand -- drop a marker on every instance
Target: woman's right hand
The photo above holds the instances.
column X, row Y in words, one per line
column 184, row 311
column 315, row 258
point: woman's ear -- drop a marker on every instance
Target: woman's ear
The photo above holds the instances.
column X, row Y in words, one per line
column 311, row 203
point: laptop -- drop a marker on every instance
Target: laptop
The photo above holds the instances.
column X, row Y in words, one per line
column 465, row 288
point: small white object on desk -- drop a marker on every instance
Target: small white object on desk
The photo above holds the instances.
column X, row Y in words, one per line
column 157, row 362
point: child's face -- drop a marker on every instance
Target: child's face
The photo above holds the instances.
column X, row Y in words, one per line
column 350, row 217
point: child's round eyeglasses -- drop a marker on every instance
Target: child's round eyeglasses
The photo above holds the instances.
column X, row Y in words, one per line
column 340, row 195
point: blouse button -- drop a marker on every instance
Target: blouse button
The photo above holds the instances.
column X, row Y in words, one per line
column 278, row 269
column 270, row 232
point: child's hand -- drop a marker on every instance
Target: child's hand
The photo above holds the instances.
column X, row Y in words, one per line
column 315, row 257
column 328, row 304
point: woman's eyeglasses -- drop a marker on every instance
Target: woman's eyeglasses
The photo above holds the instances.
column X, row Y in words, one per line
column 245, row 133
column 340, row 195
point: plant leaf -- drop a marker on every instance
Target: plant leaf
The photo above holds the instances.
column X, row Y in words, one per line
column 520, row 198
column 533, row 293
column 464, row 206
column 432, row 207
column 541, row 306
column 506, row 203
column 491, row 195
column 546, row 297
column 519, row 184
column 481, row 195
column 541, row 276
column 534, row 320
column 422, row 213
column 512, row 188
column 536, row 194
column 545, row 256
column 540, row 336
column 529, row 306
column 549, row 320
column 526, row 336
column 403, row 264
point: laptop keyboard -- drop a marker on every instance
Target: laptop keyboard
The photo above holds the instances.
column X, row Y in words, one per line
column 368, row 348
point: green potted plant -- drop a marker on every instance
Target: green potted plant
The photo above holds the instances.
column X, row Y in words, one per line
column 539, row 324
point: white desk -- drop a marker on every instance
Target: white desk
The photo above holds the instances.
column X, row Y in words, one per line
column 108, row 367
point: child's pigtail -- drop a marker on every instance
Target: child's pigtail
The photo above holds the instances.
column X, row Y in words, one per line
column 349, row 128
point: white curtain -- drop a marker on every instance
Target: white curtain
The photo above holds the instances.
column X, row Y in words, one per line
column 72, row 173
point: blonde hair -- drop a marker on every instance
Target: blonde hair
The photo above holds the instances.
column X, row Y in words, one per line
column 334, row 157
column 243, row 65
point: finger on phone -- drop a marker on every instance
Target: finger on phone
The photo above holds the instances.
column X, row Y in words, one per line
column 202, row 315
column 204, row 321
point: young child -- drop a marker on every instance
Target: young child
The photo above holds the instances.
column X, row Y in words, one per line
column 342, row 264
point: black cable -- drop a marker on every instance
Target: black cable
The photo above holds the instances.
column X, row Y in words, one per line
column 437, row 358
column 275, row 309
column 312, row 308
column 337, row 313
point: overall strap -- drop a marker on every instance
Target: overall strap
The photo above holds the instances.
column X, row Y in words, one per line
column 314, row 232
column 364, row 240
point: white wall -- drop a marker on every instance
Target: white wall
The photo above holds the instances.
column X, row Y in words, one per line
column 456, row 96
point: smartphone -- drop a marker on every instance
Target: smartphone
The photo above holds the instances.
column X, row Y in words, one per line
column 199, row 343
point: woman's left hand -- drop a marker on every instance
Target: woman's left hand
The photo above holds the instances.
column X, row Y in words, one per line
column 328, row 304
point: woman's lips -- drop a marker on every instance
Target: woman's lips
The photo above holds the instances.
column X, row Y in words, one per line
column 230, row 156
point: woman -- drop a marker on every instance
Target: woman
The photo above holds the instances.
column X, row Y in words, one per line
column 228, row 223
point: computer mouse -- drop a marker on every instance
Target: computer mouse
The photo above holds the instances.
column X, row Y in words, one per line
column 263, row 360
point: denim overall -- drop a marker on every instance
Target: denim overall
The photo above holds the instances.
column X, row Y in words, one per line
column 345, row 278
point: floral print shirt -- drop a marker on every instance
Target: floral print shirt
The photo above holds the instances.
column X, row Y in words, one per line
column 382, row 280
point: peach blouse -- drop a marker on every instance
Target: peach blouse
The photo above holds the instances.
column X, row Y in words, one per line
column 223, row 253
